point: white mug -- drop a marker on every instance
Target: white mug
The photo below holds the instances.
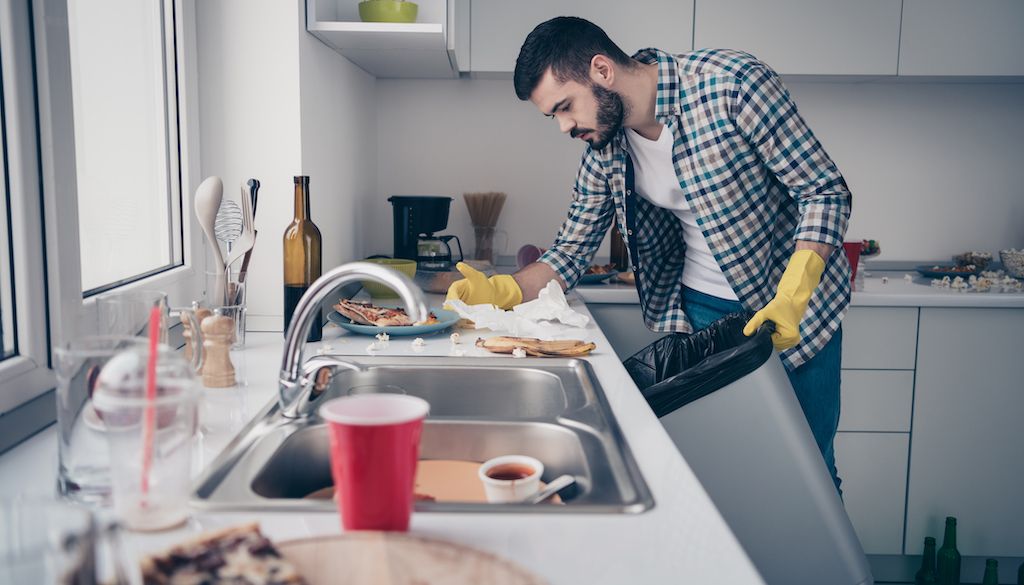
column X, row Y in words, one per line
column 510, row 478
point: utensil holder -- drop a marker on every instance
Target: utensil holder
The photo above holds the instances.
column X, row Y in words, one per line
column 484, row 236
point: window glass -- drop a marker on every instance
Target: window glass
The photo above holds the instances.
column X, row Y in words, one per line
column 7, row 333
column 126, row 137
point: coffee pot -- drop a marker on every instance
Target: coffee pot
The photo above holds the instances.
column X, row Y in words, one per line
column 434, row 252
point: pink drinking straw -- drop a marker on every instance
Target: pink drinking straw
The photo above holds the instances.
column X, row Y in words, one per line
column 150, row 417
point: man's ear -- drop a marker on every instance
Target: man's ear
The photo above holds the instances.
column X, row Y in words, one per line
column 602, row 70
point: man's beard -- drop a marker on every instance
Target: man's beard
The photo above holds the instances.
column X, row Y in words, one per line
column 611, row 112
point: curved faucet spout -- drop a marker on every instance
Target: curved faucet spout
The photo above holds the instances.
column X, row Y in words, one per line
column 291, row 380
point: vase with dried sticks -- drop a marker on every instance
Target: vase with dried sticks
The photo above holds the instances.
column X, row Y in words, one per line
column 484, row 209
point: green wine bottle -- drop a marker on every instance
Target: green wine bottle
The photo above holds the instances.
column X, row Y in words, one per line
column 1020, row 574
column 926, row 574
column 991, row 572
column 948, row 558
column 302, row 246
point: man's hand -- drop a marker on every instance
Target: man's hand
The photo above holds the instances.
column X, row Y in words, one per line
column 787, row 308
column 476, row 289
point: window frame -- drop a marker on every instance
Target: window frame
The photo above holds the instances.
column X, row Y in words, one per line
column 171, row 73
column 183, row 283
column 25, row 376
column 37, row 86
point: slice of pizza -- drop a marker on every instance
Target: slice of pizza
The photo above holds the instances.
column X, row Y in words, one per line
column 370, row 314
column 240, row 555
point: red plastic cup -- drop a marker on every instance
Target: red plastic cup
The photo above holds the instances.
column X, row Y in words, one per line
column 375, row 446
column 852, row 250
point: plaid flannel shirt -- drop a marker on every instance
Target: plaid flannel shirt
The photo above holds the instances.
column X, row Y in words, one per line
column 752, row 172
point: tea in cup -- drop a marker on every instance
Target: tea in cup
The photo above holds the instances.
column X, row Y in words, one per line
column 510, row 478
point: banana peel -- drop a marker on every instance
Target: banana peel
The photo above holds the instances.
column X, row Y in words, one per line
column 537, row 347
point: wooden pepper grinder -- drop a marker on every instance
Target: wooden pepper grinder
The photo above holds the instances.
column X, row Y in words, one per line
column 218, row 335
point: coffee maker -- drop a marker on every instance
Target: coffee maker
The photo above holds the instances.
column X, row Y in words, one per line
column 416, row 219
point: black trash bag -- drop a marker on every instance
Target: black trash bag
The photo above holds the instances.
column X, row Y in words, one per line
column 680, row 368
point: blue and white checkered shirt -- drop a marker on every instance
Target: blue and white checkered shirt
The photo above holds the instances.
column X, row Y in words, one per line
column 753, row 173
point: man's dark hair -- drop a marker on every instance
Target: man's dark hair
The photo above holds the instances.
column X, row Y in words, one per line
column 565, row 44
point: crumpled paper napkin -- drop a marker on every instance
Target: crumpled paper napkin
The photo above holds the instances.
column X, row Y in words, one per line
column 534, row 318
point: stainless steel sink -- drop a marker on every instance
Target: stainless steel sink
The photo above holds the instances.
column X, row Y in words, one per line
column 480, row 408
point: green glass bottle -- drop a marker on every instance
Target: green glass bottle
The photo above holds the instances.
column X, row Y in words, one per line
column 991, row 572
column 1020, row 574
column 302, row 266
column 926, row 574
column 948, row 558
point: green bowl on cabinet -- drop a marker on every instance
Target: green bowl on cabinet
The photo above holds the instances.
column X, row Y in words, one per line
column 388, row 11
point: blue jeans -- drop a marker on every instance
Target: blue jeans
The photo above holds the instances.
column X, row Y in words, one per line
column 816, row 381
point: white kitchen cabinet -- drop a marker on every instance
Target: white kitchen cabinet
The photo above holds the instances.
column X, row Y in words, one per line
column 623, row 325
column 805, row 36
column 952, row 37
column 872, row 445
column 435, row 46
column 880, row 338
column 873, row 467
column 967, row 435
column 499, row 27
column 876, row 400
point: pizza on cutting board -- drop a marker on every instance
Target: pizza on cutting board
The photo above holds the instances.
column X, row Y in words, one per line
column 239, row 554
column 370, row 314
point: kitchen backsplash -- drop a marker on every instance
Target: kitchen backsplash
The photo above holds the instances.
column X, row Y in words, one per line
column 934, row 167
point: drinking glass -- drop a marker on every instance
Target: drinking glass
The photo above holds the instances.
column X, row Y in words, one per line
column 51, row 542
column 150, row 440
column 127, row 313
column 232, row 305
column 46, row 544
column 83, row 460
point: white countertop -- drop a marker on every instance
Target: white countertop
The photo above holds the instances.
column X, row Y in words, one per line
column 894, row 292
column 682, row 539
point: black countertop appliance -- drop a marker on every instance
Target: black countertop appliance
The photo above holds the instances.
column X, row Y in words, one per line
column 417, row 218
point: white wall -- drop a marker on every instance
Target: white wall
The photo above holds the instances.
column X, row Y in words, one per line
column 452, row 137
column 275, row 103
column 339, row 145
column 935, row 168
column 249, row 117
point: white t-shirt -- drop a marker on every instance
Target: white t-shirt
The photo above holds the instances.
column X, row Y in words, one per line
column 656, row 181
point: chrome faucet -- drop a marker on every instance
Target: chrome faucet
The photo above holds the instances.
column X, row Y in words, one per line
column 296, row 381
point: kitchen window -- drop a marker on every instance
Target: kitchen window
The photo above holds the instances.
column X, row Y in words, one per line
column 24, row 373
column 100, row 153
column 7, row 331
column 124, row 95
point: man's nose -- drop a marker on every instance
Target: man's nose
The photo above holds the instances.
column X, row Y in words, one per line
column 565, row 124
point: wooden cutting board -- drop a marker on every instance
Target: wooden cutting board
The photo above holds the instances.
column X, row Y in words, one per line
column 444, row 480
column 392, row 558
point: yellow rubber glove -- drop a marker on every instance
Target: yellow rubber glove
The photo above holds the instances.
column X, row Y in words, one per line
column 476, row 289
column 787, row 309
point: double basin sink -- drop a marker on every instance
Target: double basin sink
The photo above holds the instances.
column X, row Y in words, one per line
column 553, row 410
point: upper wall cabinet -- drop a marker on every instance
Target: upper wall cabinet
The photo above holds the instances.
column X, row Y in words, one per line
column 499, row 27
column 435, row 46
column 952, row 37
column 805, row 36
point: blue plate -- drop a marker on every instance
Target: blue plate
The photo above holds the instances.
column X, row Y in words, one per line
column 933, row 271
column 597, row 278
column 445, row 319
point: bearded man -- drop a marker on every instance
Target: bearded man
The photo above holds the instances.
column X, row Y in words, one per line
column 726, row 200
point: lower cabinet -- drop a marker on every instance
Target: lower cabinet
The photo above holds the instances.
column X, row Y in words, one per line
column 873, row 468
column 967, row 452
column 623, row 325
column 873, row 442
